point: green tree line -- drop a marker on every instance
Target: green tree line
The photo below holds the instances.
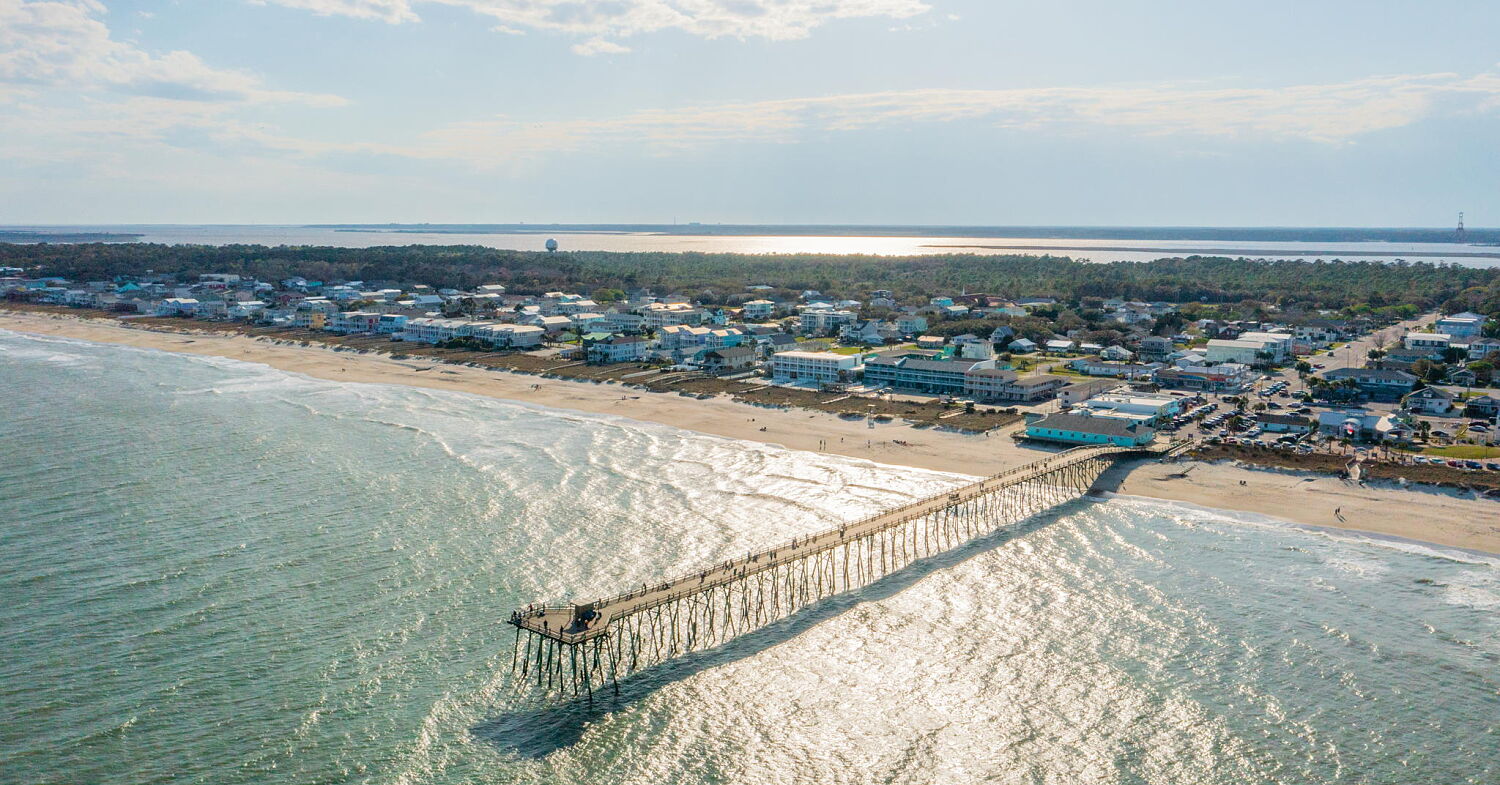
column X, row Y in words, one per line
column 723, row 277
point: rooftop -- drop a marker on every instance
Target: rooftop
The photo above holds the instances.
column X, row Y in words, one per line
column 1083, row 423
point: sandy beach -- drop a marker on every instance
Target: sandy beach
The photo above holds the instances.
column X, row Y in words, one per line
column 1426, row 515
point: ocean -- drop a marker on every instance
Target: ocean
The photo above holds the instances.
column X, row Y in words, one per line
column 218, row 572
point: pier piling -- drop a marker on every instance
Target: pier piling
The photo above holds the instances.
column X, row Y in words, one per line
column 617, row 636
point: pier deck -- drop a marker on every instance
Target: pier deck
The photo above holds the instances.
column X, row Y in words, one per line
column 579, row 623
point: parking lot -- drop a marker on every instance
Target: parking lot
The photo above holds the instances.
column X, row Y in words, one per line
column 1232, row 420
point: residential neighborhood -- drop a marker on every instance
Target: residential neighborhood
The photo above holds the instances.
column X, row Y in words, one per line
column 1131, row 372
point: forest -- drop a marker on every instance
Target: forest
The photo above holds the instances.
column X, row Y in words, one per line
column 724, row 277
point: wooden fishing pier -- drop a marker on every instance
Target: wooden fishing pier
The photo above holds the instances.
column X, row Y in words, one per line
column 570, row 650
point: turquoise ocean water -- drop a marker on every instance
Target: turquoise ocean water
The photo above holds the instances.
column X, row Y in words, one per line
column 217, row 572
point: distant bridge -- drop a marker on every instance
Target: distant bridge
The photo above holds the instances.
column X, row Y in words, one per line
column 572, row 649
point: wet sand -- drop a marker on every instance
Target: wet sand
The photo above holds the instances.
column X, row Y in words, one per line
column 1426, row 515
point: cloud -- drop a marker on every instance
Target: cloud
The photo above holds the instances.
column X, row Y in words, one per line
column 392, row 11
column 72, row 95
column 1320, row 113
column 63, row 44
column 599, row 46
column 777, row 20
column 1329, row 113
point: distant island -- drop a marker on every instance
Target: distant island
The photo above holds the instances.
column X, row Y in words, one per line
column 1246, row 252
column 1200, row 233
column 27, row 236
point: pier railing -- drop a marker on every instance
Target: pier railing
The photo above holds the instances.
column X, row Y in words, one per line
column 616, row 635
column 672, row 589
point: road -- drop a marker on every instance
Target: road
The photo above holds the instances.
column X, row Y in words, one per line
column 1352, row 354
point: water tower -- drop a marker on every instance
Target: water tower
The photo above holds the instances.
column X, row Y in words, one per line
column 551, row 244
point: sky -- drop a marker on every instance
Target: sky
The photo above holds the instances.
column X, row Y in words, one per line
column 942, row 112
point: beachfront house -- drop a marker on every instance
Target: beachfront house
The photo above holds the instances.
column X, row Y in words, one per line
column 425, row 329
column 508, row 336
column 354, row 322
column 726, row 360
column 814, row 367
column 552, row 325
column 390, row 323
column 177, row 306
column 691, row 339
column 926, row 372
column 997, row 385
column 618, row 349
column 248, row 309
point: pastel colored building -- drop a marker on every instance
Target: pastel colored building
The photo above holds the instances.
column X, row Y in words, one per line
column 1073, row 428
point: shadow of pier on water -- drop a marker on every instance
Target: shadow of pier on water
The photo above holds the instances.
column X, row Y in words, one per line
column 535, row 731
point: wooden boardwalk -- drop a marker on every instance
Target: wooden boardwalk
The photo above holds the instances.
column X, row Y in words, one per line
column 582, row 622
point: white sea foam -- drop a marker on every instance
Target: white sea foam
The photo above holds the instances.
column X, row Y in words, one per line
column 318, row 566
column 1202, row 514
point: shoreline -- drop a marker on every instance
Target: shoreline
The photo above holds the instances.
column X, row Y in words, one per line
column 1346, row 534
column 1423, row 516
